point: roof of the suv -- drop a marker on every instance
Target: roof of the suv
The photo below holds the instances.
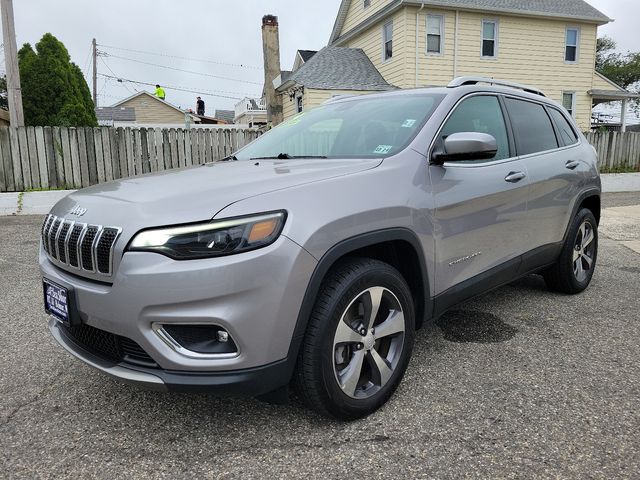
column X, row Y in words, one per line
column 482, row 85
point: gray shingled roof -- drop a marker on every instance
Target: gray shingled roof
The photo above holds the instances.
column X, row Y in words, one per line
column 225, row 115
column 337, row 68
column 116, row 114
column 307, row 54
column 568, row 9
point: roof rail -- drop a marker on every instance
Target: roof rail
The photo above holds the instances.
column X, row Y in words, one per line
column 461, row 81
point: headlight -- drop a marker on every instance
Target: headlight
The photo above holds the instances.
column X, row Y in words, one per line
column 212, row 239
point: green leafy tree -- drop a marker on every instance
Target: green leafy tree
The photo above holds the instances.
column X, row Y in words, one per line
column 54, row 91
column 623, row 69
column 4, row 100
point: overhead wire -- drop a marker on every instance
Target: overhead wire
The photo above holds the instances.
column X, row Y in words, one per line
column 87, row 63
column 211, row 93
column 182, row 70
column 215, row 62
column 114, row 73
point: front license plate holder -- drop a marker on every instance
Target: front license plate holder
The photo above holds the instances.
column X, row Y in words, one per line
column 59, row 302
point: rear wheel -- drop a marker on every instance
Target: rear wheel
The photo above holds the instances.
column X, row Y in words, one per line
column 358, row 341
column 574, row 269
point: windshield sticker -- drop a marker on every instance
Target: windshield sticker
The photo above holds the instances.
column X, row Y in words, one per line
column 410, row 122
column 383, row 149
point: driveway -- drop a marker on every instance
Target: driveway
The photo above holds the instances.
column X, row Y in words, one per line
column 518, row 383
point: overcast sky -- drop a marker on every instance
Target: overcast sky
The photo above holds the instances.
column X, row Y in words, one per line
column 224, row 32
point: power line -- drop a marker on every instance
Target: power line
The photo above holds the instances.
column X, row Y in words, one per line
column 194, row 89
column 239, row 65
column 181, row 70
column 170, row 87
column 87, row 63
column 114, row 73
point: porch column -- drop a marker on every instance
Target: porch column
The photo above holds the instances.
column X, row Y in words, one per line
column 623, row 116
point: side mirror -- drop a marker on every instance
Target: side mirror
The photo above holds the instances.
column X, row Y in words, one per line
column 466, row 146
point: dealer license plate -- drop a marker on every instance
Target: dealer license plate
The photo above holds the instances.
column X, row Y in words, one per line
column 56, row 300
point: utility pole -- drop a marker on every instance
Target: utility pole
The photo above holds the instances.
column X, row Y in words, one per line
column 95, row 72
column 14, row 91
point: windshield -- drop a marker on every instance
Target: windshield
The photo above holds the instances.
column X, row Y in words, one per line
column 364, row 127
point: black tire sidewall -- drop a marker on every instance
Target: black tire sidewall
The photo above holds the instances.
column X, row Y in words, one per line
column 378, row 274
column 567, row 254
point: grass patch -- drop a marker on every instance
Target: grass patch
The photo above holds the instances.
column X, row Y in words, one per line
column 48, row 189
column 20, row 202
column 624, row 168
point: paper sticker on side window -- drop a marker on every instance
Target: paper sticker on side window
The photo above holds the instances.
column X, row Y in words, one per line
column 410, row 122
column 383, row 149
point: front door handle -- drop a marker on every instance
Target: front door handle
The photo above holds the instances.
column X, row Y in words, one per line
column 572, row 164
column 515, row 177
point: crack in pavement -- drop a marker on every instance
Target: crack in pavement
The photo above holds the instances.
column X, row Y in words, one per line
column 33, row 400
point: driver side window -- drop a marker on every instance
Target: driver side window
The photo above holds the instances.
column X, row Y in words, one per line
column 480, row 114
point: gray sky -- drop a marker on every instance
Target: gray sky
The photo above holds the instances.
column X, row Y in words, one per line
column 224, row 31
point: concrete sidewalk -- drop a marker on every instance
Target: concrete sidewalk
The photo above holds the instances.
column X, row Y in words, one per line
column 30, row 203
column 39, row 203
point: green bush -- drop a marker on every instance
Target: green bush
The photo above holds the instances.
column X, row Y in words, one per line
column 54, row 91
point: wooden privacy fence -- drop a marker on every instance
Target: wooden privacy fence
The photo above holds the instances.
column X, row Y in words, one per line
column 61, row 157
column 616, row 149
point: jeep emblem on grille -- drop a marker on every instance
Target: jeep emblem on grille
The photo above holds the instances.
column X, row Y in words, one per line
column 78, row 211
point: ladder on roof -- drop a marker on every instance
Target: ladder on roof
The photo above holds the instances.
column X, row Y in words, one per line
column 461, row 81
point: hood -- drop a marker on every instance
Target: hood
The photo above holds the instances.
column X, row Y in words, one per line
column 197, row 193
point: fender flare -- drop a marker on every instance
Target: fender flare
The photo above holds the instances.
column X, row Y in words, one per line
column 592, row 192
column 340, row 250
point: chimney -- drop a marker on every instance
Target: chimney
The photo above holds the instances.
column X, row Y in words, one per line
column 271, row 50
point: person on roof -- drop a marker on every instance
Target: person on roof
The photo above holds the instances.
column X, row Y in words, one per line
column 200, row 106
column 160, row 92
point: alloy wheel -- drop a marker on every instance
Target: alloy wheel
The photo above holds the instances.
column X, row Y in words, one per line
column 583, row 252
column 368, row 342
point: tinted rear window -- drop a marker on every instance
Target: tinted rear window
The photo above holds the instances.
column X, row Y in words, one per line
column 532, row 127
column 567, row 134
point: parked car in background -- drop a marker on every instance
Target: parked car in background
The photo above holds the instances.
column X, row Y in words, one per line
column 312, row 255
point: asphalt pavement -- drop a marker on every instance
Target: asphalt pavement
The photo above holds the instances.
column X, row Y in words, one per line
column 520, row 383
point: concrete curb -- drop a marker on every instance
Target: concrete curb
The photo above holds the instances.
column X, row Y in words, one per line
column 39, row 203
column 30, row 203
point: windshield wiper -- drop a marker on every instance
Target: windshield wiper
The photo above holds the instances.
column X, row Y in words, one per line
column 286, row 156
column 229, row 158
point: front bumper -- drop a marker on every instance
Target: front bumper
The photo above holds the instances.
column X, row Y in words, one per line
column 253, row 382
column 255, row 296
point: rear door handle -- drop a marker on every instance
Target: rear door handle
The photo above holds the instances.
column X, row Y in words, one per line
column 515, row 177
column 572, row 164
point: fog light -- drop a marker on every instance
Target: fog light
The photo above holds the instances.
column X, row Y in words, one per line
column 223, row 336
column 199, row 339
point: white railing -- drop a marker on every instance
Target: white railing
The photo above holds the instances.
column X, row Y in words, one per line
column 250, row 106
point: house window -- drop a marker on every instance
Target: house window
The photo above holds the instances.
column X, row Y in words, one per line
column 299, row 104
column 571, row 45
column 366, row 3
column 387, row 41
column 489, row 38
column 569, row 102
column 435, row 25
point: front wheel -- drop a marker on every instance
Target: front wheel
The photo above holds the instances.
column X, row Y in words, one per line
column 358, row 341
column 574, row 269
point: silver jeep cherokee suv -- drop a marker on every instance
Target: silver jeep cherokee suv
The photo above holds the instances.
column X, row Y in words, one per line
column 313, row 254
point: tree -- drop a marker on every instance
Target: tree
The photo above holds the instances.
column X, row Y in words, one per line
column 4, row 100
column 623, row 69
column 54, row 91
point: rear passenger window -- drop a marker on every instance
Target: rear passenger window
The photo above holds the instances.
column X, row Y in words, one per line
column 567, row 133
column 532, row 127
column 481, row 114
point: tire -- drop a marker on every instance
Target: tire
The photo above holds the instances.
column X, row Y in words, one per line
column 574, row 269
column 341, row 373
